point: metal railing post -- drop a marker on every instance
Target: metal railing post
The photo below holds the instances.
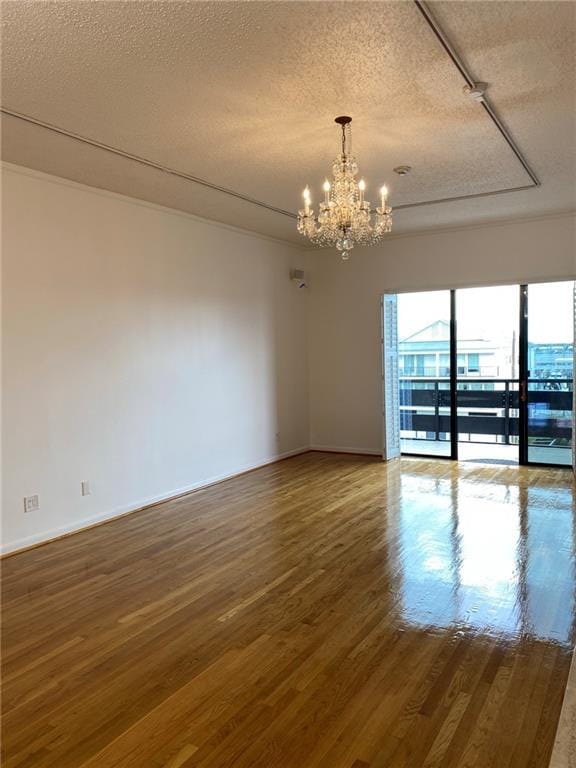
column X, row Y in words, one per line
column 437, row 409
column 506, row 414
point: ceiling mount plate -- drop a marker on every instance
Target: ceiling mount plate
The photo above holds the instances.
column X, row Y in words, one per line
column 343, row 120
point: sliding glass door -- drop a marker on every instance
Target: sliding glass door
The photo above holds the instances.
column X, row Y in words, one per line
column 548, row 375
column 483, row 374
column 487, row 373
column 425, row 369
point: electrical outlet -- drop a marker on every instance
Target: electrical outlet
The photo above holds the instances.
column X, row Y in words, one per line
column 31, row 503
column 85, row 487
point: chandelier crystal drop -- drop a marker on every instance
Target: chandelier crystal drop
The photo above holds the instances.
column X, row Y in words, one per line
column 345, row 218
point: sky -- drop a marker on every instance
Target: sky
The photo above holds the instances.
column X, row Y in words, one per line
column 493, row 313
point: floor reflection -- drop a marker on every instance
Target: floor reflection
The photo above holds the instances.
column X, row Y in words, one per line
column 488, row 556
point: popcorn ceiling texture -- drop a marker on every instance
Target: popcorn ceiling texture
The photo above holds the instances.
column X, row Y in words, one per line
column 244, row 94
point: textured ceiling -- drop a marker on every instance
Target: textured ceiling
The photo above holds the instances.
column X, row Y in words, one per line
column 243, row 94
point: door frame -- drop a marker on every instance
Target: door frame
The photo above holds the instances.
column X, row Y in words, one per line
column 453, row 378
column 524, row 380
column 523, row 377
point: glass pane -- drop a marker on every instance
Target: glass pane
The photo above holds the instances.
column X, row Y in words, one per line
column 550, row 372
column 487, row 378
column 424, row 369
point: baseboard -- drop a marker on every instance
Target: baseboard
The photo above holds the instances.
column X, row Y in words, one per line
column 335, row 449
column 38, row 540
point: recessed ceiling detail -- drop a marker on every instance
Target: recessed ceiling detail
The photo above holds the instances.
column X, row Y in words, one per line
column 144, row 161
column 474, row 89
column 188, row 104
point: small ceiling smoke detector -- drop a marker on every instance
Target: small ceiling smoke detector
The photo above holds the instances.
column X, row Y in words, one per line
column 402, row 170
column 476, row 91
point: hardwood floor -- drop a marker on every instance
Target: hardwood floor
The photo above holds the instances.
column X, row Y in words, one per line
column 324, row 612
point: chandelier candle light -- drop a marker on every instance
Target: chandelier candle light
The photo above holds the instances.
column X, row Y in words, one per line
column 344, row 218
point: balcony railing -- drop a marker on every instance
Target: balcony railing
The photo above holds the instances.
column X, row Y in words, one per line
column 488, row 410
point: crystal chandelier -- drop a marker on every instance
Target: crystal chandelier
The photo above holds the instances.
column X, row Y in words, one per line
column 345, row 218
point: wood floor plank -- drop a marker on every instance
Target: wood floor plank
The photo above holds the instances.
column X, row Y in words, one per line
column 328, row 611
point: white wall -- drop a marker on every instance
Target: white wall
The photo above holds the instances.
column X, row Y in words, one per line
column 151, row 352
column 344, row 308
column 144, row 350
